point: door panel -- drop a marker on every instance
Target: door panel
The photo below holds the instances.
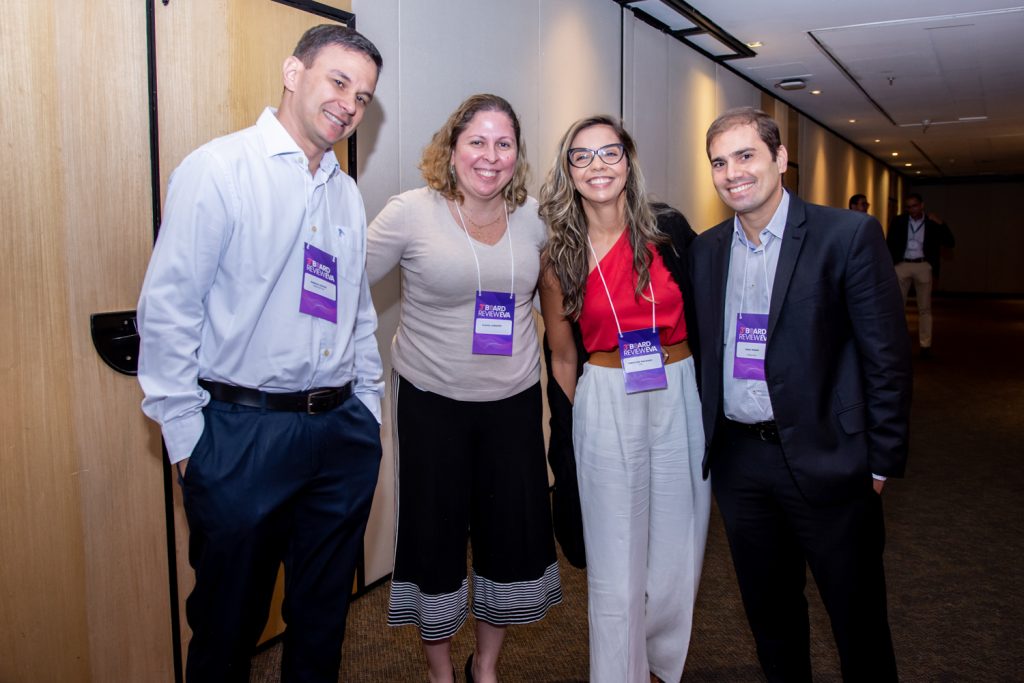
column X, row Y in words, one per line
column 84, row 572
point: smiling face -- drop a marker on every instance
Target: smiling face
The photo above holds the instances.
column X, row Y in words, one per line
column 748, row 180
column 324, row 102
column 599, row 183
column 484, row 156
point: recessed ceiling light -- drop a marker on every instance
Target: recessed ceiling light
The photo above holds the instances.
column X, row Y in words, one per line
column 877, row 140
column 792, row 84
column 917, row 172
column 853, row 120
column 895, row 154
column 756, row 43
column 815, row 92
column 908, row 164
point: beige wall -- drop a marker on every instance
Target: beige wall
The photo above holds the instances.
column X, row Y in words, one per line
column 831, row 170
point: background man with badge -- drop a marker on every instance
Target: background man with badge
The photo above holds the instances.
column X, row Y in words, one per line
column 804, row 367
column 259, row 361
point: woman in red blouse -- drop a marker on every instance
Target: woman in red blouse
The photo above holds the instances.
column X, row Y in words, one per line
column 615, row 267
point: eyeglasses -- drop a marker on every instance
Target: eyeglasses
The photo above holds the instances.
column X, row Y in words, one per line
column 581, row 157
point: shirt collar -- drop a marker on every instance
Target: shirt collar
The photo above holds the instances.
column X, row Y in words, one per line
column 776, row 226
column 277, row 140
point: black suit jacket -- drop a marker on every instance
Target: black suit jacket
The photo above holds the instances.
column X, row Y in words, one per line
column 837, row 362
column 936, row 236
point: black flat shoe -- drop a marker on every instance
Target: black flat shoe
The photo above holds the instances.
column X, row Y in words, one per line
column 469, row 669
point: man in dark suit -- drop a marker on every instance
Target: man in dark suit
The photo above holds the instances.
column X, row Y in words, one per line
column 804, row 368
column 915, row 242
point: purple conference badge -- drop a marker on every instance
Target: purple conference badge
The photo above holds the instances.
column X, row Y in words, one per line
column 751, row 343
column 493, row 322
column 643, row 365
column 320, row 285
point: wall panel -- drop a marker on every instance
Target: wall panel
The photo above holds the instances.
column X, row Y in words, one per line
column 85, row 584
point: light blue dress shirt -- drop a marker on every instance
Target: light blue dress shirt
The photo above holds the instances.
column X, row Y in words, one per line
column 221, row 296
column 749, row 290
column 915, row 239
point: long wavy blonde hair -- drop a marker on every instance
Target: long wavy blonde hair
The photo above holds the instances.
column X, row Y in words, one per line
column 561, row 207
column 436, row 161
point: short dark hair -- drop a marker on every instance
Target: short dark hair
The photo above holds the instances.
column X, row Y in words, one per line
column 913, row 195
column 767, row 128
column 856, row 199
column 319, row 37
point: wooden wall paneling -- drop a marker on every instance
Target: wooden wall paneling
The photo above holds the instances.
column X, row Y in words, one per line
column 42, row 600
column 108, row 221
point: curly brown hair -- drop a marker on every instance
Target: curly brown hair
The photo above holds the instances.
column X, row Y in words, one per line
column 435, row 165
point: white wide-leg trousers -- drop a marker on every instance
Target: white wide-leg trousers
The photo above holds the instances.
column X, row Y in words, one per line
column 645, row 520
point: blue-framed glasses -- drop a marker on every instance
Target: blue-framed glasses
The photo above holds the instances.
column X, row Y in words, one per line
column 581, row 157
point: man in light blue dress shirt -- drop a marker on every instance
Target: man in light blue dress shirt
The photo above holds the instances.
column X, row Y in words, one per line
column 259, row 360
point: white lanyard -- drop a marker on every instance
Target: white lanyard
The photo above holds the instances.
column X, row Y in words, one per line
column 608, row 293
column 511, row 252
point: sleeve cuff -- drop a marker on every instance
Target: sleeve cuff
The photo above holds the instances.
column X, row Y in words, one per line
column 182, row 435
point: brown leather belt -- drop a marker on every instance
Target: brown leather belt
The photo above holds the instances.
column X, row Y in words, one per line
column 610, row 359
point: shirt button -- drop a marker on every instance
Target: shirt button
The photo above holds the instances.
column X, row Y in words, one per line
column 313, row 228
column 327, row 352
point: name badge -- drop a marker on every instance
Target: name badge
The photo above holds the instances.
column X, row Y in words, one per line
column 319, row 285
column 493, row 323
column 643, row 364
column 751, row 344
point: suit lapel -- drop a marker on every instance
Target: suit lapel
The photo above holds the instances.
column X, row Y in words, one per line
column 792, row 243
column 719, row 280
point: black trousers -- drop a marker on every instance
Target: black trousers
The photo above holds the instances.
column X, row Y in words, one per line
column 774, row 534
column 264, row 487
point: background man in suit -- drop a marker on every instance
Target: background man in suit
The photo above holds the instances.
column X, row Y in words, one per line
column 915, row 242
column 859, row 202
column 804, row 365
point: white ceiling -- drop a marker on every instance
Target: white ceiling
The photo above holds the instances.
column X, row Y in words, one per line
column 930, row 68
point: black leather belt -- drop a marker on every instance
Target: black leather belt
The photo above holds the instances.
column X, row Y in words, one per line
column 913, row 260
column 764, row 431
column 312, row 402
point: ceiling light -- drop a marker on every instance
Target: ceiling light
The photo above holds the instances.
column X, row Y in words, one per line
column 792, row 84
column 815, row 92
column 895, row 154
column 973, row 118
column 917, row 172
column 756, row 43
column 908, row 164
column 853, row 120
column 877, row 140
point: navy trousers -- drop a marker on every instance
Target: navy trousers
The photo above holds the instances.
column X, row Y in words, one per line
column 264, row 487
column 774, row 534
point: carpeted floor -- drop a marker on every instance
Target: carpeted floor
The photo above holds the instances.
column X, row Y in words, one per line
column 954, row 550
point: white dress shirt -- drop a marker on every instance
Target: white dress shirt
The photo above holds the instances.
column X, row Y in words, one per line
column 221, row 296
